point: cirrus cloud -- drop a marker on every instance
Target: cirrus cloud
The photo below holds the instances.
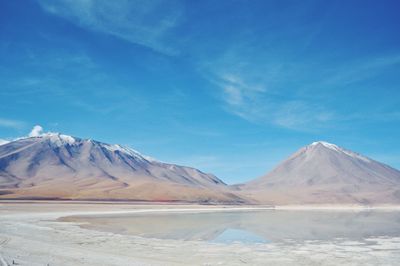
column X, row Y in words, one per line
column 11, row 123
column 136, row 21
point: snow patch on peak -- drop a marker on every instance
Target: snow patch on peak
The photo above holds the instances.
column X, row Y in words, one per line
column 57, row 138
column 330, row 146
column 340, row 150
column 117, row 147
column 326, row 144
column 3, row 142
column 129, row 151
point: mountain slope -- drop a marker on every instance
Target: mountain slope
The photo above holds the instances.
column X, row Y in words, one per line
column 53, row 165
column 325, row 173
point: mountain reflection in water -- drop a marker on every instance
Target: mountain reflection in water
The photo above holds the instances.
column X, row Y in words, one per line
column 249, row 226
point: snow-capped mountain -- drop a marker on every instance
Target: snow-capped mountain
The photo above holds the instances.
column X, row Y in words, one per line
column 53, row 165
column 326, row 173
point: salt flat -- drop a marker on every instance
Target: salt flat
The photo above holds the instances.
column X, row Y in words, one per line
column 31, row 234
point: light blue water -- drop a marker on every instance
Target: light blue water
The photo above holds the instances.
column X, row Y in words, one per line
column 238, row 235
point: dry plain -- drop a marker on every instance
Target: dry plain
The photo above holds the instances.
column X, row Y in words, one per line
column 31, row 233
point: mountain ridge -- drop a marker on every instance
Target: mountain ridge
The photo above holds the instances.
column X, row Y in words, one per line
column 55, row 165
column 62, row 166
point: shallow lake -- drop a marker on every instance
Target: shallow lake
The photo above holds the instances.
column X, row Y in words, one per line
column 251, row 227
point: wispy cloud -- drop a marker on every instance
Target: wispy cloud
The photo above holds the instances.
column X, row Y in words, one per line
column 281, row 74
column 289, row 94
column 301, row 115
column 71, row 78
column 11, row 123
column 50, row 65
column 359, row 70
column 137, row 21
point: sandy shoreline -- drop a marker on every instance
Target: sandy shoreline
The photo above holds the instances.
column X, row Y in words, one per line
column 30, row 235
column 192, row 205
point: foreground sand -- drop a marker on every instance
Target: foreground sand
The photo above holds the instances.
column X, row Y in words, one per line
column 30, row 235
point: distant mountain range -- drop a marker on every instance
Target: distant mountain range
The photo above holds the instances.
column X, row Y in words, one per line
column 57, row 166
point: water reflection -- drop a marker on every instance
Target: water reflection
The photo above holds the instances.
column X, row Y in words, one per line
column 250, row 226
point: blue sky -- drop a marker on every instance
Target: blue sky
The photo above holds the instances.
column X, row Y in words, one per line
column 230, row 87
